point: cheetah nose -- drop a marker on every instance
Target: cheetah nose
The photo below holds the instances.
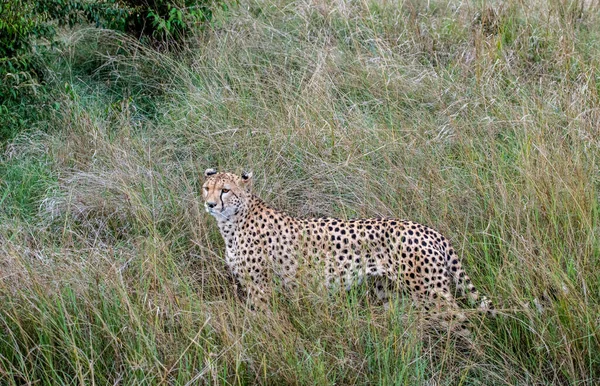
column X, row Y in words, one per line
column 211, row 204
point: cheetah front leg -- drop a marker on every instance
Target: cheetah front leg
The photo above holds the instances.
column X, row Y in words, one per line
column 257, row 297
column 256, row 287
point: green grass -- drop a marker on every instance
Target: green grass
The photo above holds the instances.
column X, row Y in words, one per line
column 478, row 119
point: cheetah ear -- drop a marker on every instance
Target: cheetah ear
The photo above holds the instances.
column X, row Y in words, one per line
column 210, row 172
column 247, row 180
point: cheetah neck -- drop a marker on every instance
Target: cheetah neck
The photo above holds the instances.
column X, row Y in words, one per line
column 246, row 213
column 242, row 214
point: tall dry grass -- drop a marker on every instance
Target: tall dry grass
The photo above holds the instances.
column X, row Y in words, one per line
column 477, row 118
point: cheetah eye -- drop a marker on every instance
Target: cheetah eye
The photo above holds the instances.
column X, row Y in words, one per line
column 206, row 188
column 225, row 190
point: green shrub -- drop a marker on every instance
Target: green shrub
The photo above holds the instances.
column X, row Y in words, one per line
column 24, row 22
column 19, row 76
column 167, row 19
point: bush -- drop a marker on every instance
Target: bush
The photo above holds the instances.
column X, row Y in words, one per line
column 23, row 22
column 19, row 76
column 167, row 19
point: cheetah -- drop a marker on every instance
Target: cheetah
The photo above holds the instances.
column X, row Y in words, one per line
column 261, row 242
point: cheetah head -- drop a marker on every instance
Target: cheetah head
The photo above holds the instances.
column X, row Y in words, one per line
column 225, row 193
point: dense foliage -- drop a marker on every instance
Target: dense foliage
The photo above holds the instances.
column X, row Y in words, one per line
column 28, row 28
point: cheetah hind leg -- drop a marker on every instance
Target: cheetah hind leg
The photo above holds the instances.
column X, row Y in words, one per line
column 446, row 313
column 383, row 288
column 465, row 288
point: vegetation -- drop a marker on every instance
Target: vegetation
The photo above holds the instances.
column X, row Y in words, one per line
column 28, row 29
column 478, row 118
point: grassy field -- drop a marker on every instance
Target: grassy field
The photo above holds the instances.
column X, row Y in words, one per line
column 478, row 118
